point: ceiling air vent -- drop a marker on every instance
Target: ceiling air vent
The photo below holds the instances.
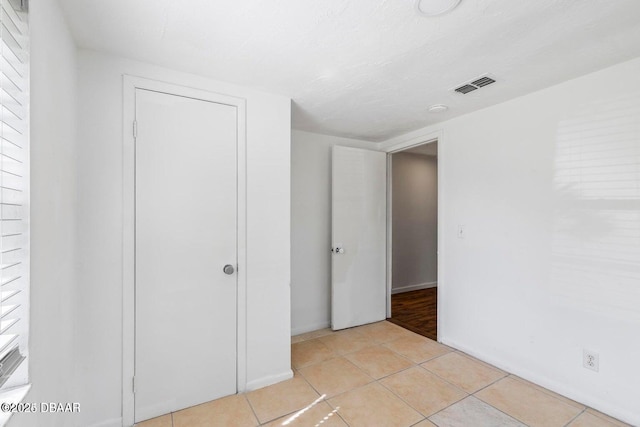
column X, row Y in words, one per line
column 475, row 84
column 466, row 89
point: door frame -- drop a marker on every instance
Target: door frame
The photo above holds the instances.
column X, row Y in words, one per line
column 130, row 84
column 395, row 147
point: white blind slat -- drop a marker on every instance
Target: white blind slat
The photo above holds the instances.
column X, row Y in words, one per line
column 14, row 194
column 6, row 295
column 7, row 309
column 6, row 340
column 8, row 280
column 5, row 325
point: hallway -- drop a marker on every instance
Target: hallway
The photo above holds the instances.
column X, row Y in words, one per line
column 416, row 311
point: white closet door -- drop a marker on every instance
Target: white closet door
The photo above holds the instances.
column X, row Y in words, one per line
column 185, row 233
column 359, row 209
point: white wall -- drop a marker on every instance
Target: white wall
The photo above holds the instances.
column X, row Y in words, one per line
column 414, row 222
column 53, row 214
column 548, row 188
column 100, row 229
column 310, row 228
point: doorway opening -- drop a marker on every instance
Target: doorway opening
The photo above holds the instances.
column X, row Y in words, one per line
column 412, row 288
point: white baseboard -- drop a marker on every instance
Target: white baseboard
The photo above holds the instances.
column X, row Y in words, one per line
column 550, row 384
column 410, row 288
column 114, row 422
column 309, row 328
column 271, row 379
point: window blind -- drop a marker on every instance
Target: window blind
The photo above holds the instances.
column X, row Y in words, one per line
column 14, row 192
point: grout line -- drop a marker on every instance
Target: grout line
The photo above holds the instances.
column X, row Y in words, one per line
column 457, row 387
column 251, row 407
column 351, row 389
column 311, row 385
column 326, row 399
column 607, row 418
column 490, row 384
column 494, row 407
column 481, row 362
column 437, row 412
column 417, row 410
column 339, row 414
column 513, row 417
column 435, row 357
column 482, row 401
column 396, row 372
column 466, row 393
column 559, row 397
column 574, row 418
column 469, row 394
column 414, row 365
column 548, row 392
column 506, row 374
column 356, row 350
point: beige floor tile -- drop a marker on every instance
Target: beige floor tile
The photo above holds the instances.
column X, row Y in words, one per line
column 282, row 398
column 311, row 335
column 473, row 412
column 550, row 393
column 418, row 349
column 591, row 418
column 467, row 373
column 335, row 376
column 424, row 423
column 379, row 361
column 307, row 353
column 381, row 332
column 607, row 418
column 320, row 413
column 423, row 390
column 528, row 404
column 346, row 341
column 373, row 405
column 163, row 421
column 228, row 411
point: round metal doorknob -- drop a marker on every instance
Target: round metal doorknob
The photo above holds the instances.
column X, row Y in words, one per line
column 228, row 269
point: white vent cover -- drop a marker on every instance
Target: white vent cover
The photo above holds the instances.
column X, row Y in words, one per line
column 475, row 84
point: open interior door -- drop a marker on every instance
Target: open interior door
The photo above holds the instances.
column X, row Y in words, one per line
column 358, row 267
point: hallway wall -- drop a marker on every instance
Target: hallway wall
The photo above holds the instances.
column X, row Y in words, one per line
column 415, row 221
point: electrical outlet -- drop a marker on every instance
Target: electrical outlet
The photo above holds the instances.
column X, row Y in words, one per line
column 590, row 360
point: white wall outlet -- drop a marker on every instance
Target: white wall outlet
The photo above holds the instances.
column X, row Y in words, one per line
column 460, row 231
column 590, row 360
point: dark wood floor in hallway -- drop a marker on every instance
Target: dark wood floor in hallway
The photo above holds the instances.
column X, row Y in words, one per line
column 416, row 311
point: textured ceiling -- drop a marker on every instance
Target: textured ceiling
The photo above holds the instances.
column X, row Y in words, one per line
column 367, row 69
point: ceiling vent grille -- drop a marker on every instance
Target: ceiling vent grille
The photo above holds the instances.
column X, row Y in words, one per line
column 475, row 85
column 466, row 89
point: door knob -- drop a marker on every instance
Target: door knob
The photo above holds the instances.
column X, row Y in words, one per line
column 338, row 250
column 228, row 269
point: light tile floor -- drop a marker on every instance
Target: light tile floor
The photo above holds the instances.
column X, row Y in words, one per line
column 382, row 375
